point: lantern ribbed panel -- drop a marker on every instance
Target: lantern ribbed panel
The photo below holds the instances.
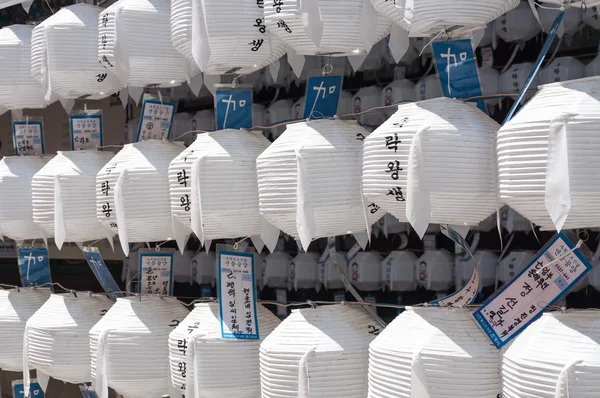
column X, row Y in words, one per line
column 557, row 356
column 485, row 260
column 435, row 269
column 428, row 88
column 75, row 173
column 368, row 98
column 56, row 336
column 322, row 351
column 304, row 272
column 143, row 170
column 344, row 27
column 229, row 35
column 69, row 39
column 221, row 160
column 274, row 269
column 319, row 160
column 519, row 24
column 18, row 89
column 211, row 356
column 435, row 353
column 138, row 46
column 364, row 271
column 329, row 275
column 38, row 53
column 16, row 208
column 515, row 77
column 513, row 263
column 562, row 69
column 399, row 271
column 16, row 307
column 396, row 92
column 129, row 346
column 524, row 151
column 429, row 17
column 457, row 158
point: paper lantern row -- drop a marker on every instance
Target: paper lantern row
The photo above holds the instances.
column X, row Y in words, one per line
column 80, row 337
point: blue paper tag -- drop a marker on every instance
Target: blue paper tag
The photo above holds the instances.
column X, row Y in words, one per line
column 94, row 259
column 28, row 137
column 34, row 266
column 322, row 96
column 233, row 109
column 87, row 393
column 457, row 69
column 156, row 273
column 35, row 391
column 86, row 131
column 205, row 291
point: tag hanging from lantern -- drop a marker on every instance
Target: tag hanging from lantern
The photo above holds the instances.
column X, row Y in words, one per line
column 28, row 136
column 35, row 389
column 323, row 95
column 233, row 106
column 156, row 272
column 34, row 266
column 156, row 120
column 86, row 130
column 94, row 259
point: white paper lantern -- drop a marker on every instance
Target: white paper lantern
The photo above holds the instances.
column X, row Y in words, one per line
column 397, row 92
column 329, row 276
column 593, row 68
column 258, row 114
column 16, row 307
column 556, row 356
column 132, row 192
column 71, row 68
column 433, row 352
column 364, row 271
column 182, row 124
column 571, row 23
column 365, row 99
column 304, row 272
column 519, row 24
column 488, row 36
column 399, row 271
column 489, row 79
column 428, row 88
column 206, row 268
column 514, row 78
column 18, row 89
column 229, row 39
column 207, row 355
column 216, row 162
column 182, row 267
column 351, row 27
column 542, row 168
column 202, row 121
column 378, row 57
column 320, row 160
column 484, row 260
column 429, row 17
column 591, row 17
column 129, row 346
column 274, row 270
column 63, row 196
column 434, row 270
column 279, row 111
column 318, row 352
column 345, row 104
column 562, row 69
column 16, row 208
column 298, row 108
column 56, row 340
column 447, row 184
column 513, row 263
column 134, row 42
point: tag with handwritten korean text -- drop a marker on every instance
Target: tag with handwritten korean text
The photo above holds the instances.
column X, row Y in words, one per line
column 237, row 299
column 322, row 96
column 553, row 272
column 86, row 130
column 34, row 266
column 156, row 120
column 28, row 137
column 156, row 273
column 233, row 107
column 96, row 262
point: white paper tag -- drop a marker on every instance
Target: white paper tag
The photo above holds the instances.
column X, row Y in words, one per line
column 156, row 120
column 156, row 273
column 86, row 131
column 28, row 137
column 487, row 56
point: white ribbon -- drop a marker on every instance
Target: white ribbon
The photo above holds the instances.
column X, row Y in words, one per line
column 418, row 203
column 196, row 209
column 312, row 20
column 60, row 230
column 305, row 217
column 120, row 213
column 121, row 51
column 303, row 376
column 100, row 384
column 564, row 377
column 26, row 378
column 200, row 48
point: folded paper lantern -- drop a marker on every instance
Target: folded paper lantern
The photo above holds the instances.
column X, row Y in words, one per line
column 397, row 92
column 562, row 69
column 329, row 275
column 69, row 48
column 16, row 307
column 514, row 78
column 365, row 101
column 320, row 164
column 484, row 260
column 132, row 192
column 413, row 170
column 364, row 271
column 304, row 272
column 434, row 352
column 519, row 24
column 544, row 152
column 120, row 347
column 428, row 88
column 206, row 268
column 318, row 352
column 398, row 270
column 134, row 42
column 556, row 356
column 274, row 269
column 16, row 208
column 56, row 340
column 214, row 190
column 63, row 196
column 513, row 263
column 430, row 17
column 435, row 270
column 207, row 35
column 196, row 347
column 338, row 28
column 18, row 89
